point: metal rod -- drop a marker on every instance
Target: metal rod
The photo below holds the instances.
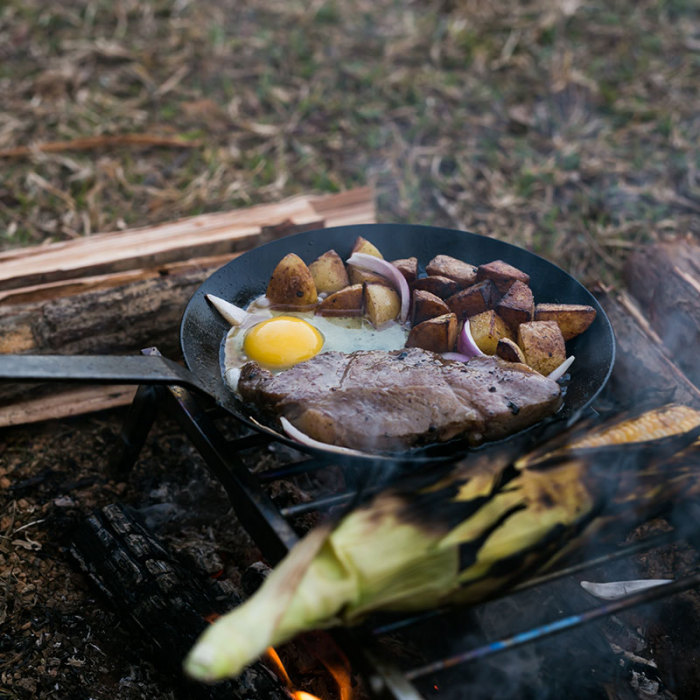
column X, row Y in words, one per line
column 249, row 442
column 648, row 543
column 318, row 504
column 294, row 469
column 561, row 625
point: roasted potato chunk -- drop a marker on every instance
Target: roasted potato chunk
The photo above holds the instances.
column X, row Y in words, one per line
column 438, row 334
column 357, row 276
column 517, row 305
column 362, row 245
column 542, row 344
column 426, row 305
column 329, row 273
column 344, row 302
column 382, row 304
column 438, row 285
column 473, row 300
column 291, row 284
column 502, row 274
column 408, row 267
column 572, row 319
column 509, row 351
column 446, row 266
column 487, row 329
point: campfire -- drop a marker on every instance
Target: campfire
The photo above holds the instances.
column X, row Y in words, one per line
column 497, row 648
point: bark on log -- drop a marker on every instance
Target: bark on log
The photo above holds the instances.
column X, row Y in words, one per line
column 665, row 280
column 164, row 602
column 644, row 371
column 51, row 300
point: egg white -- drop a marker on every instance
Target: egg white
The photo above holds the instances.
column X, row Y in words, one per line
column 342, row 334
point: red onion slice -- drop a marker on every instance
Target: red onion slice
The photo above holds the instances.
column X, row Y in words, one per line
column 466, row 344
column 385, row 269
column 304, row 439
column 559, row 372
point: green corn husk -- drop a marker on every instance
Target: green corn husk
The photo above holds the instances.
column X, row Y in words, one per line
column 461, row 536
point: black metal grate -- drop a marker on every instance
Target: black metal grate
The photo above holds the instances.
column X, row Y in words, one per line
column 269, row 526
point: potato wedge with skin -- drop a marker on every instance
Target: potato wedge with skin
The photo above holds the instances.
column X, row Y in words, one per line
column 517, row 305
column 438, row 334
column 487, row 329
column 473, row 300
column 382, row 304
column 329, row 273
column 362, row 245
column 408, row 267
column 358, row 276
column 438, row 285
column 572, row 319
column 425, row 305
column 542, row 344
column 344, row 302
column 509, row 351
column 502, row 274
column 291, row 284
column 445, row 265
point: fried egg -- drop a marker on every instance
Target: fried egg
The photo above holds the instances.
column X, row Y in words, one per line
column 278, row 340
column 282, row 342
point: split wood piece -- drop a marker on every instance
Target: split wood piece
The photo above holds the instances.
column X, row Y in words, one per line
column 665, row 280
column 50, row 403
column 118, row 312
column 644, row 370
column 205, row 235
column 164, row 602
column 145, row 309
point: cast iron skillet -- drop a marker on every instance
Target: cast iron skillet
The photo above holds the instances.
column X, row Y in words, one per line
column 202, row 330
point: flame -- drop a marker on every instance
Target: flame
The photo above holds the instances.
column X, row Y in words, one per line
column 279, row 668
column 340, row 673
column 332, row 657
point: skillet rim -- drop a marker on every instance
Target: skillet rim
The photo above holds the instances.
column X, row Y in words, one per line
column 200, row 341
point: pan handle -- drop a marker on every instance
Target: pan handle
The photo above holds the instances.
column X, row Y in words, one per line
column 98, row 369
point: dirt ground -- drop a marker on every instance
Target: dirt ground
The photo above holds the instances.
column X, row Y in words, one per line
column 567, row 127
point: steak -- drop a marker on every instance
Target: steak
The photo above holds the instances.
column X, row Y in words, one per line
column 377, row 400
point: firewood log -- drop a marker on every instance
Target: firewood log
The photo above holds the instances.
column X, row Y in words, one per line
column 165, row 603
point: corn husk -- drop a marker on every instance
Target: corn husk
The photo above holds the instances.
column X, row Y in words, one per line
column 463, row 535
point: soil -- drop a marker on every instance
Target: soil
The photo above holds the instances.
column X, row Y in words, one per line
column 58, row 638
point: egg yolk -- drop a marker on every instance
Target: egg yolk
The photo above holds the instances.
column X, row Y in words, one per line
column 282, row 342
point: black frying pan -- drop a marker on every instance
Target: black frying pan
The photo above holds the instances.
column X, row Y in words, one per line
column 202, row 330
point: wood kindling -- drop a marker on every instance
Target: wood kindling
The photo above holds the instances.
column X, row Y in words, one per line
column 120, row 291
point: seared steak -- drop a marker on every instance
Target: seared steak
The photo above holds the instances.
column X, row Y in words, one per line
column 393, row 400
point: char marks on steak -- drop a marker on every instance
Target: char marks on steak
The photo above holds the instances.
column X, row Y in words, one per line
column 376, row 400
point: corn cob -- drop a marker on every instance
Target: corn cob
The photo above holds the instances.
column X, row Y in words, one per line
column 461, row 536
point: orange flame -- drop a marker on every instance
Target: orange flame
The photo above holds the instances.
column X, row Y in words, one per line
column 323, row 646
column 281, row 671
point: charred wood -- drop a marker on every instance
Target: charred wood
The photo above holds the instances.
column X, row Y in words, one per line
column 644, row 369
column 165, row 603
column 665, row 280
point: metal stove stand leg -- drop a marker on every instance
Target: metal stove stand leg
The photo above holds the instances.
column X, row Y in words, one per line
column 139, row 420
column 253, row 507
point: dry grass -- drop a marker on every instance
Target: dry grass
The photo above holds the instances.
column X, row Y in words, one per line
column 568, row 127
